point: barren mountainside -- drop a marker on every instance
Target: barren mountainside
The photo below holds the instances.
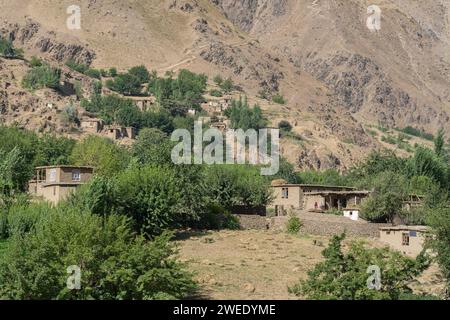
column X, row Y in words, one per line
column 341, row 81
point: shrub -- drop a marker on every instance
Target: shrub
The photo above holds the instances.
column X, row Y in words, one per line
column 104, row 155
column 344, row 276
column 7, row 49
column 69, row 113
column 293, row 225
column 42, row 77
column 278, row 98
column 215, row 93
column 227, row 85
column 113, row 72
column 114, row 262
column 218, row 80
column 141, row 73
column 79, row 67
column 93, row 73
column 217, row 218
column 285, row 126
column 36, row 62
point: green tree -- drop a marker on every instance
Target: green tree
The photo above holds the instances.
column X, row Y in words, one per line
column 344, row 276
column 439, row 143
column 114, row 262
column 151, row 196
column 152, row 146
column 389, row 191
column 106, row 157
column 41, row 77
column 141, row 73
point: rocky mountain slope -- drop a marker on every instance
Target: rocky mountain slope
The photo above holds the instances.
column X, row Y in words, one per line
column 338, row 77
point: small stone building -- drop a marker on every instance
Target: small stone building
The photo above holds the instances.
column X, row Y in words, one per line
column 311, row 197
column 407, row 239
column 54, row 183
column 92, row 125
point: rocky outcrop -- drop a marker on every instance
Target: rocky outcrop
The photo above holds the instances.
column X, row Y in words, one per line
column 32, row 37
column 244, row 13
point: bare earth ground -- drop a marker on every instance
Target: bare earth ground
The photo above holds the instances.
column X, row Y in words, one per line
column 250, row 264
column 261, row 264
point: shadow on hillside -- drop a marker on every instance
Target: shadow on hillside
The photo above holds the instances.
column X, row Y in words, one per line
column 181, row 235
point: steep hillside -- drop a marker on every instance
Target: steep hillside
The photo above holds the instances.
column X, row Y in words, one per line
column 337, row 76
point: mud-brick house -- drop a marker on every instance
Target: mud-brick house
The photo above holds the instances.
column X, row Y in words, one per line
column 92, row 125
column 54, row 183
column 407, row 239
column 117, row 132
column 311, row 197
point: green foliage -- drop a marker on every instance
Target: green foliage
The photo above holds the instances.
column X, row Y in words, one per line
column 439, row 143
column 235, row 185
column 152, row 146
column 426, row 163
column 217, row 218
column 439, row 219
column 417, row 133
column 44, row 76
column 227, row 85
column 218, row 80
column 7, row 49
column 10, row 165
column 93, row 73
column 278, row 98
column 125, row 84
column 326, row 177
column 389, row 191
column 343, row 276
column 285, row 126
column 180, row 94
column 36, row 62
column 79, row 67
column 150, row 196
column 69, row 113
column 286, row 172
column 104, row 155
column 216, row 93
column 243, row 117
column 113, row 72
column 293, row 225
column 114, row 262
column 141, row 73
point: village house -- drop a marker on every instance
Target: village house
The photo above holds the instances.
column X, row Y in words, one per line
column 54, row 183
column 407, row 239
column 317, row 198
column 216, row 107
column 118, row 132
column 92, row 125
column 143, row 103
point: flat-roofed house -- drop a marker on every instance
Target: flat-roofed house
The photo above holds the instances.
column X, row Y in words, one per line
column 92, row 125
column 312, row 197
column 54, row 183
column 407, row 239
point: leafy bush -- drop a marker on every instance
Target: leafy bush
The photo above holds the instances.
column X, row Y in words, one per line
column 343, row 276
column 218, row 80
column 217, row 218
column 79, row 67
column 278, row 98
column 113, row 72
column 390, row 190
column 216, row 93
column 125, row 84
column 69, row 113
column 42, row 77
column 104, row 155
column 141, row 73
column 243, row 117
column 227, row 85
column 417, row 133
column 36, row 62
column 293, row 225
column 93, row 73
column 285, row 126
column 7, row 49
column 114, row 262
column 151, row 197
